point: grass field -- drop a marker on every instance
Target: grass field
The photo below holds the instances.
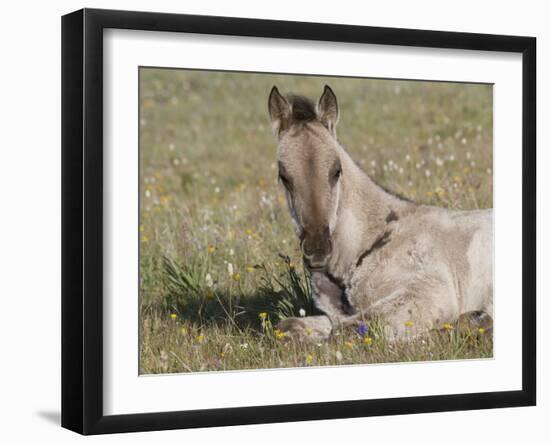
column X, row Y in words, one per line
column 219, row 261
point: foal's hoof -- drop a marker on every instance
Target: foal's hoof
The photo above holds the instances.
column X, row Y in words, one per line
column 293, row 328
column 475, row 322
column 304, row 329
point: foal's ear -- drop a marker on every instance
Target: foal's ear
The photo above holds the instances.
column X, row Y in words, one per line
column 327, row 109
column 279, row 111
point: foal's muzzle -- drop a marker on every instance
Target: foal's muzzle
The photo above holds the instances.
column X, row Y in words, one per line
column 316, row 247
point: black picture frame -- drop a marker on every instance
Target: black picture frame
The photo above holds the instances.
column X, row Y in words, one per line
column 82, row 220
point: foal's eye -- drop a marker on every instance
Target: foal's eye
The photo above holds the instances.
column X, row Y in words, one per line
column 336, row 175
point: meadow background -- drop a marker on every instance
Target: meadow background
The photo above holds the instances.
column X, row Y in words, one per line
column 219, row 261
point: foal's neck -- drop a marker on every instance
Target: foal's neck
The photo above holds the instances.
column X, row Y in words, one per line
column 367, row 214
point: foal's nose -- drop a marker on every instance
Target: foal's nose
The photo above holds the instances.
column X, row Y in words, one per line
column 316, row 246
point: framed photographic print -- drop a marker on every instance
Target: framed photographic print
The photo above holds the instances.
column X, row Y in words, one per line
column 271, row 221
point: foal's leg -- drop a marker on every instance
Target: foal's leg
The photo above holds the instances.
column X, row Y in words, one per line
column 413, row 311
column 329, row 298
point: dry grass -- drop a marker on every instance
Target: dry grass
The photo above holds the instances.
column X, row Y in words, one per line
column 217, row 248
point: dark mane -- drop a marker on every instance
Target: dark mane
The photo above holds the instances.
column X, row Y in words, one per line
column 384, row 188
column 393, row 193
column 303, row 109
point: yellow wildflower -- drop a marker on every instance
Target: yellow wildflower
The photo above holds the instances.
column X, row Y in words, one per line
column 211, row 249
column 309, row 331
column 144, row 239
column 236, row 276
column 467, row 170
column 367, row 340
column 173, row 316
column 309, row 359
column 429, row 194
column 250, row 269
column 448, row 326
column 440, row 191
column 262, row 315
column 279, row 335
column 200, row 338
column 141, row 228
column 457, row 178
column 348, row 344
column 408, row 323
column 184, row 331
column 481, row 330
column 249, row 232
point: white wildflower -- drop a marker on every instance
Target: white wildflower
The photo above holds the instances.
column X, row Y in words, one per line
column 427, row 172
column 302, row 312
column 230, row 270
column 209, row 281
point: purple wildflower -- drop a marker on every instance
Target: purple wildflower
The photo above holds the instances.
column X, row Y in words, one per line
column 362, row 329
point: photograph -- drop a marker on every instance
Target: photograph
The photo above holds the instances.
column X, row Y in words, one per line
column 293, row 220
